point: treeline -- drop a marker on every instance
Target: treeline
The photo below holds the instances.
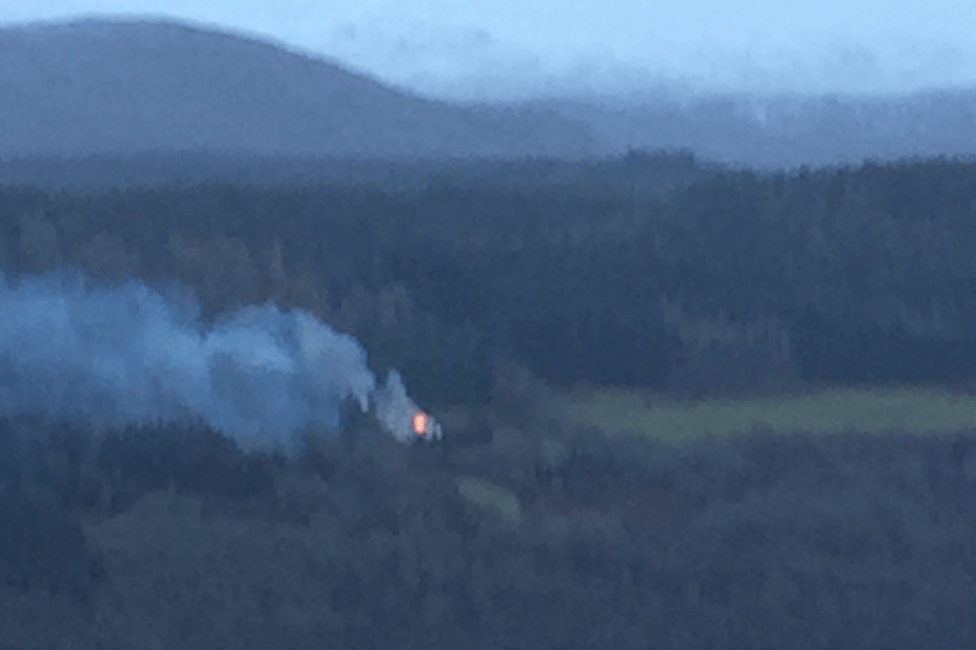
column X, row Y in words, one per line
column 168, row 537
column 638, row 271
column 647, row 270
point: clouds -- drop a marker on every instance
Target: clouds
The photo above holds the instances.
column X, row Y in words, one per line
column 496, row 49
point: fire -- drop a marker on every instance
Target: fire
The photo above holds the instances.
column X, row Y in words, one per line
column 419, row 422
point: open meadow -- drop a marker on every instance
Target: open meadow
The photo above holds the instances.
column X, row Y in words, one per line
column 820, row 410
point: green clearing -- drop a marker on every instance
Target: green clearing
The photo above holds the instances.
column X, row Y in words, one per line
column 491, row 496
column 829, row 410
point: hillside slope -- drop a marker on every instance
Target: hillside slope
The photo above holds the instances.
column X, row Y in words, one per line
column 125, row 86
column 789, row 130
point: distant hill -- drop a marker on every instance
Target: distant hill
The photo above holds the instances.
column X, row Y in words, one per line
column 789, row 131
column 129, row 86
column 123, row 88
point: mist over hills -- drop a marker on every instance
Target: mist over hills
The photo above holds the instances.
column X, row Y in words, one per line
column 790, row 130
column 131, row 87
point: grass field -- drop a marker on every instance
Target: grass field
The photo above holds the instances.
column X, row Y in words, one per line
column 828, row 410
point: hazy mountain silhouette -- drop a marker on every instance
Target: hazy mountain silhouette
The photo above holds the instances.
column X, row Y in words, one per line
column 125, row 86
column 789, row 131
column 139, row 86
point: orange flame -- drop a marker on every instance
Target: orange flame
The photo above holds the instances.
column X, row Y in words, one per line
column 419, row 420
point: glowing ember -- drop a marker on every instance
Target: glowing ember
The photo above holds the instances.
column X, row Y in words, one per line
column 420, row 422
column 400, row 415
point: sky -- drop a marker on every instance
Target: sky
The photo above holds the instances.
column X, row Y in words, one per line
column 518, row 49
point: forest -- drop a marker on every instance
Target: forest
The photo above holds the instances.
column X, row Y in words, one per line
column 493, row 286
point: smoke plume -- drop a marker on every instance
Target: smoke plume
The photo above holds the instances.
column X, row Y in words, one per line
column 106, row 357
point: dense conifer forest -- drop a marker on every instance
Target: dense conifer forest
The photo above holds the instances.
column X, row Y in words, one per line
column 492, row 286
column 647, row 270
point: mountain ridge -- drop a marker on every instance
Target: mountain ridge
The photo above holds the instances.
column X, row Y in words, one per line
column 132, row 86
column 129, row 86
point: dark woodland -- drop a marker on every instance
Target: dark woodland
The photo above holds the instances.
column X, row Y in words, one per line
column 491, row 285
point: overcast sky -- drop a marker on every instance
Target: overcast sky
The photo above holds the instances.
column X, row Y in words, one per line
column 504, row 49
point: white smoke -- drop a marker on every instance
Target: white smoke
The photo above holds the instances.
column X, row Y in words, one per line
column 396, row 411
column 106, row 357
